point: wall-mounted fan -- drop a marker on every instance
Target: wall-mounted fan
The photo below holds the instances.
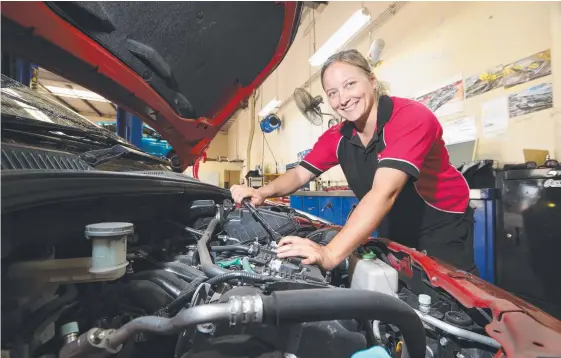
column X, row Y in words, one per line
column 309, row 107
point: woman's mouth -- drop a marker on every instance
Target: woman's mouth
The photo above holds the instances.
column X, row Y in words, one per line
column 350, row 108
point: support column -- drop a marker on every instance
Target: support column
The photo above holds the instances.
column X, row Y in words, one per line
column 129, row 127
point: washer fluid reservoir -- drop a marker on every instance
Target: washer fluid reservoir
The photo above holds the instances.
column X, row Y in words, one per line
column 373, row 274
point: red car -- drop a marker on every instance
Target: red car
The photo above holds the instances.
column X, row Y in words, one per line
column 106, row 252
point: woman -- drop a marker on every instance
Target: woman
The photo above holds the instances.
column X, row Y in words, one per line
column 394, row 159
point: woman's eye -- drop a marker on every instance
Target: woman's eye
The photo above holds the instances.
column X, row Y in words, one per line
column 349, row 85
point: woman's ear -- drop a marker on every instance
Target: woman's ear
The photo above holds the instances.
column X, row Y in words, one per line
column 372, row 79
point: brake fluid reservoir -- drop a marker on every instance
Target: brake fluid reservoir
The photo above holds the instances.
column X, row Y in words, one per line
column 373, row 274
column 109, row 245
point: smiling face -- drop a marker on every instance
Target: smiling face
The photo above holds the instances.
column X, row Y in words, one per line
column 350, row 91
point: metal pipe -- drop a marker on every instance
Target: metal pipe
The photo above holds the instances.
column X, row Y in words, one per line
column 187, row 318
column 194, row 231
column 252, row 104
column 456, row 331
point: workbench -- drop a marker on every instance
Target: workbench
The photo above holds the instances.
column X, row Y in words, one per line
column 335, row 207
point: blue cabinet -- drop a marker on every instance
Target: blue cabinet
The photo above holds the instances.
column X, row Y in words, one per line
column 310, row 204
column 335, row 209
column 330, row 209
column 347, row 205
column 483, row 201
column 296, row 202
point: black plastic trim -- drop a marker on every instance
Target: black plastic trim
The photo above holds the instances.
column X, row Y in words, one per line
column 29, row 188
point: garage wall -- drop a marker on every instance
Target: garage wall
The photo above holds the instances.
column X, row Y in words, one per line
column 427, row 43
column 215, row 170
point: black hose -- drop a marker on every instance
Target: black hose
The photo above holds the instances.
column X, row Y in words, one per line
column 243, row 276
column 171, row 284
column 324, row 304
column 182, row 270
column 184, row 297
column 230, row 248
column 209, row 268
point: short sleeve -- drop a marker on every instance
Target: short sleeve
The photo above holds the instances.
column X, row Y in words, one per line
column 409, row 137
column 324, row 153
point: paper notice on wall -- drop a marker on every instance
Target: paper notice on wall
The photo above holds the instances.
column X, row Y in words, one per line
column 494, row 117
column 459, row 130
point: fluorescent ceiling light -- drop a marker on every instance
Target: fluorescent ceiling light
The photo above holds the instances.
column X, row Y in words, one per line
column 74, row 93
column 352, row 26
column 269, row 107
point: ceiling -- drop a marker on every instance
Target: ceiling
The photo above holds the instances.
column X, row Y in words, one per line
column 95, row 108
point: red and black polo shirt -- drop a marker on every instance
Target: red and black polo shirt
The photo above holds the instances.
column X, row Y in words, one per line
column 408, row 138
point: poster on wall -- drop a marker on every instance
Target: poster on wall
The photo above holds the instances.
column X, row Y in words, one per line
column 528, row 69
column 533, row 99
column 494, row 117
column 485, row 81
column 459, row 130
column 445, row 100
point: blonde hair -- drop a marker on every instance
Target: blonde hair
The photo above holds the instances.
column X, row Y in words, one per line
column 354, row 58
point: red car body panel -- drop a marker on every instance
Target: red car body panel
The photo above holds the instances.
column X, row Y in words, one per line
column 190, row 137
column 522, row 329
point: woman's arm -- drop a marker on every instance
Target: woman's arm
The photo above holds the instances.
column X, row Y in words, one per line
column 367, row 216
column 287, row 183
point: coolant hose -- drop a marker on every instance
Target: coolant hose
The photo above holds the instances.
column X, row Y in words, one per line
column 209, row 268
column 325, row 304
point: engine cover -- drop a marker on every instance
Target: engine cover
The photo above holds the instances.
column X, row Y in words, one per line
column 242, row 225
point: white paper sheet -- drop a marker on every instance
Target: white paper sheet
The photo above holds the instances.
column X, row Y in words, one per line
column 459, row 130
column 494, row 117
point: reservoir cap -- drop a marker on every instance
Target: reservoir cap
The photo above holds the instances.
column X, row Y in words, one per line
column 109, row 229
column 369, row 256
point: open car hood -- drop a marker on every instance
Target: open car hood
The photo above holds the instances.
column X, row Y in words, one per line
column 183, row 67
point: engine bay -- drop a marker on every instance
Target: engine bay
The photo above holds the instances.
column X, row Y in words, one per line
column 212, row 286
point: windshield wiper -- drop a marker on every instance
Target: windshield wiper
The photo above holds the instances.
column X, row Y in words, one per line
column 15, row 123
column 100, row 156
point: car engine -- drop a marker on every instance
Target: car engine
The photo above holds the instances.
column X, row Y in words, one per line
column 215, row 288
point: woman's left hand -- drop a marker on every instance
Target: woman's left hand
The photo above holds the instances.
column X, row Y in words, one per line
column 312, row 253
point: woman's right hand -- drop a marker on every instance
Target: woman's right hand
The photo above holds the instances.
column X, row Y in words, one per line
column 240, row 192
